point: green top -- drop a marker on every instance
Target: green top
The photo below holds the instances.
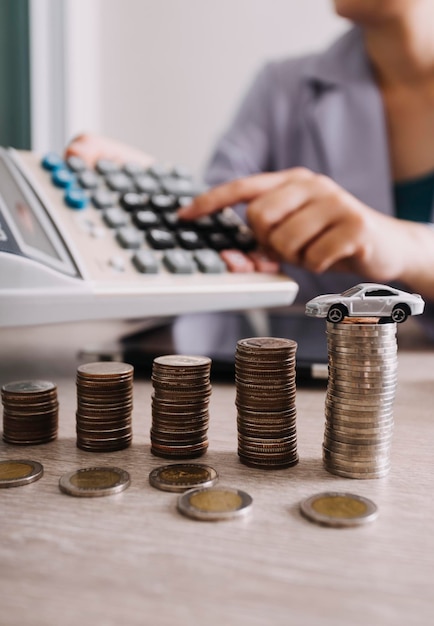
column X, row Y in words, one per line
column 414, row 198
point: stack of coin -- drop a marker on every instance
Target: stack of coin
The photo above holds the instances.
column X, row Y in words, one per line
column 265, row 385
column 104, row 406
column 180, row 402
column 360, row 394
column 30, row 412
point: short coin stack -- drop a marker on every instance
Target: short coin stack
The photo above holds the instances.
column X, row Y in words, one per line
column 180, row 414
column 30, row 412
column 360, row 395
column 265, row 384
column 104, row 406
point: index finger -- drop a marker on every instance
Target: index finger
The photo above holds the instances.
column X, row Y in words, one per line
column 236, row 191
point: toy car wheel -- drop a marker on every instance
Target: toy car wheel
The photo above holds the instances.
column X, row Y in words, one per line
column 336, row 313
column 400, row 313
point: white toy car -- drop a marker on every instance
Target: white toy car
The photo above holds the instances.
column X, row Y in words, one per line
column 367, row 300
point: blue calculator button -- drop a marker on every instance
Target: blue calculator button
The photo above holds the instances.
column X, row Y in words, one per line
column 52, row 161
column 76, row 199
column 63, row 178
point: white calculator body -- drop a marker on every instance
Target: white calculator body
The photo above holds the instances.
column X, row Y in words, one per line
column 59, row 263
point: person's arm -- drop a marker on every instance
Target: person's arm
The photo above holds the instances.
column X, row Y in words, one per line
column 309, row 221
column 92, row 147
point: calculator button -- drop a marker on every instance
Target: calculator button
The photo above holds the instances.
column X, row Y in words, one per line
column 244, row 240
column 190, row 239
column 117, row 263
column 52, row 161
column 205, row 223
column 209, row 261
column 63, row 178
column 179, row 262
column 147, row 184
column 132, row 201
column 145, row 219
column 177, row 186
column 145, row 262
column 119, row 181
column 105, row 166
column 103, row 199
column 76, row 199
column 171, row 219
column 160, row 239
column 133, row 169
column 163, row 202
column 219, row 241
column 185, row 201
column 115, row 217
column 76, row 164
column 228, row 220
column 158, row 170
column 129, row 237
column 181, row 172
column 88, row 179
column 237, row 261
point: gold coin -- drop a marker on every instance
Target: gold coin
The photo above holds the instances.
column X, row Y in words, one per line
column 339, row 509
column 214, row 503
column 94, row 481
column 19, row 472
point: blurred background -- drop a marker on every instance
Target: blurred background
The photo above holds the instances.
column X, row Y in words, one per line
column 163, row 75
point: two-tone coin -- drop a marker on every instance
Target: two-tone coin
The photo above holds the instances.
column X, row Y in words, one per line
column 180, row 477
column 91, row 482
column 215, row 503
column 18, row 472
column 339, row 510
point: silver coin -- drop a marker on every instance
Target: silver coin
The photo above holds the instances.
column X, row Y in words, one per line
column 15, row 473
column 339, row 509
column 180, row 477
column 215, row 503
column 91, row 482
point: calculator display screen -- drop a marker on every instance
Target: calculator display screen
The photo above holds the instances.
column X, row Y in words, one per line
column 23, row 216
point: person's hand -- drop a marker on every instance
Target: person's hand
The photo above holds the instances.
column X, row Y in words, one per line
column 312, row 222
column 91, row 147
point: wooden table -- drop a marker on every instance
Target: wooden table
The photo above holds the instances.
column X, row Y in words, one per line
column 132, row 559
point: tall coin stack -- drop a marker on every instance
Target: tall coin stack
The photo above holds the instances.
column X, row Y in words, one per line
column 266, row 413
column 104, row 406
column 180, row 414
column 30, row 412
column 360, row 394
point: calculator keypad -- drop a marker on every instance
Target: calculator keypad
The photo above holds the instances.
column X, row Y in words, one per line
column 138, row 207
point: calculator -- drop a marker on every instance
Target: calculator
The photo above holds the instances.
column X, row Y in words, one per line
column 106, row 243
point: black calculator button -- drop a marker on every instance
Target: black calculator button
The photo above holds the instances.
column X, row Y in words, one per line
column 228, row 220
column 205, row 223
column 119, row 181
column 163, row 202
column 147, row 184
column 158, row 170
column 145, row 262
column 160, row 238
column 219, row 241
column 179, row 262
column 171, row 220
column 129, row 237
column 132, row 201
column 104, row 167
column 88, row 179
column 209, row 261
column 76, row 164
column 244, row 240
column 190, row 239
column 133, row 169
column 185, row 200
column 145, row 218
column 115, row 217
column 103, row 199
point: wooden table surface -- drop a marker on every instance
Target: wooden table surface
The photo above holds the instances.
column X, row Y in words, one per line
column 133, row 559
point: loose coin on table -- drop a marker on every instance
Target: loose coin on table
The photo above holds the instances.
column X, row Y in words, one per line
column 179, row 477
column 91, row 482
column 215, row 503
column 19, row 472
column 339, row 509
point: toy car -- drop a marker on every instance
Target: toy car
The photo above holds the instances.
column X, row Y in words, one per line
column 366, row 300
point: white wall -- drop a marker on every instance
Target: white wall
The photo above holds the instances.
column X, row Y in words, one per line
column 166, row 75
